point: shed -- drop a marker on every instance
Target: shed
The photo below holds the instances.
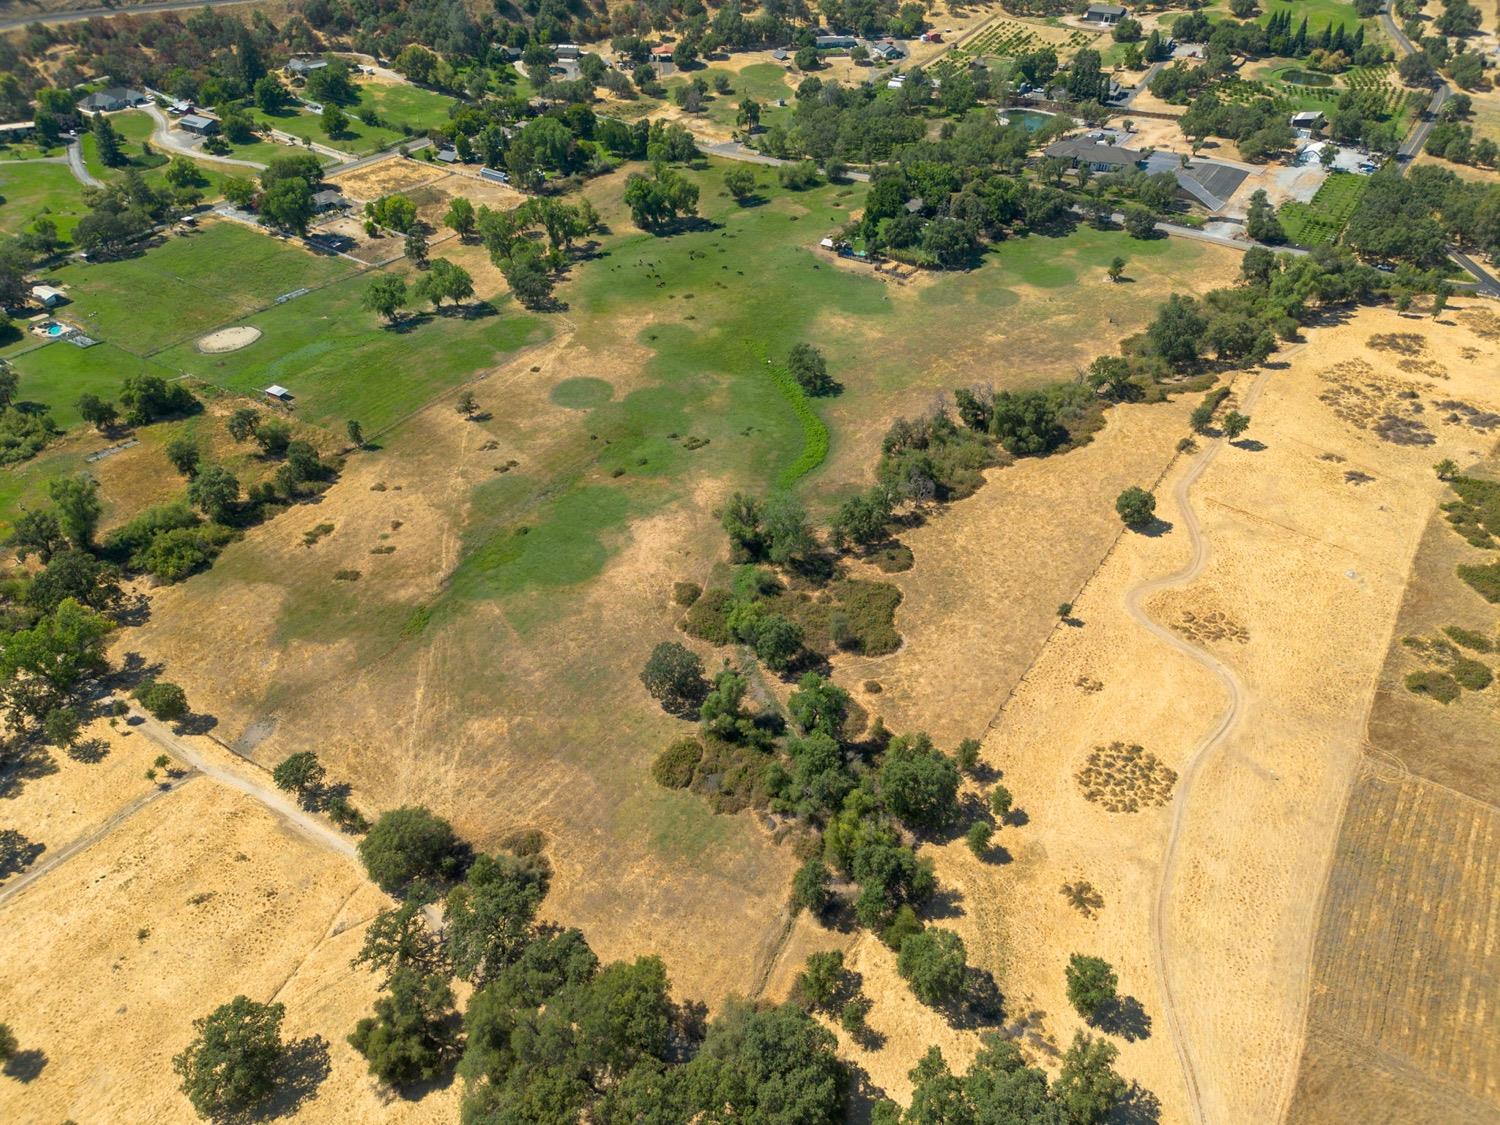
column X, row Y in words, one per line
column 1106, row 14
column 447, row 154
column 278, row 392
column 915, row 204
column 835, row 42
column 494, row 175
column 16, row 131
column 780, row 54
column 48, row 296
column 1307, row 119
column 199, row 124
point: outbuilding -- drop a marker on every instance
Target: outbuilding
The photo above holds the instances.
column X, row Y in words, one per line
column 16, row 131
column 48, row 296
column 305, row 66
column 278, row 392
column 1307, row 119
column 112, row 99
column 199, row 124
column 1105, row 15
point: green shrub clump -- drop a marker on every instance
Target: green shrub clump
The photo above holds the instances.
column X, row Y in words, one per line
column 1469, row 638
column 674, row 766
column 1435, row 685
column 1485, row 579
column 708, row 617
column 1471, row 674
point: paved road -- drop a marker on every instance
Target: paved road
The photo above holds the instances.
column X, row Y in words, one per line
column 1234, row 689
column 734, row 150
column 1140, row 86
column 77, row 15
column 79, row 169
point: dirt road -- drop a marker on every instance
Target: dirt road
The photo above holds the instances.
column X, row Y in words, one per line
column 1235, row 691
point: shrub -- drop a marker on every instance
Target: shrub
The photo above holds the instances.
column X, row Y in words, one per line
column 1471, row 674
column 407, row 844
column 165, row 701
column 902, row 926
column 1136, row 506
column 810, row 887
column 1091, row 984
column 869, row 613
column 708, row 617
column 674, row 676
column 1484, row 579
column 978, row 838
column 935, row 964
column 1469, row 638
column 1435, row 685
column 674, row 766
column 686, row 593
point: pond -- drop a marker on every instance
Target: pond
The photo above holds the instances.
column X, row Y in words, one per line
column 1030, row 119
column 1305, row 78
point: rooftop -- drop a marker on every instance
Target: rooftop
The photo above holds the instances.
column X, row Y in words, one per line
column 1076, row 148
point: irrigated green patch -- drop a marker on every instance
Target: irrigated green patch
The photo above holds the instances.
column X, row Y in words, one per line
column 29, row 191
column 341, row 363
column 399, row 105
column 582, row 393
column 188, row 285
column 356, row 137
column 58, row 374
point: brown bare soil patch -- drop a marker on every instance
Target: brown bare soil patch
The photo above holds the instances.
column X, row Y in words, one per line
column 393, row 174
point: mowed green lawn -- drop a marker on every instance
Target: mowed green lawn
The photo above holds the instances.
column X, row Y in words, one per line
column 32, row 190
column 400, row 105
column 763, row 82
column 57, row 374
column 188, row 285
column 1319, row 13
column 342, row 363
column 356, row 138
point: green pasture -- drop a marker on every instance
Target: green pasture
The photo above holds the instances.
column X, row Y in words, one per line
column 1319, row 13
column 187, row 285
column 400, row 105
column 340, row 362
column 357, row 138
column 28, row 191
column 56, row 375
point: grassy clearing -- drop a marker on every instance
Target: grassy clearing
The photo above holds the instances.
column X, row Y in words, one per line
column 1322, row 219
column 1319, row 13
column 399, row 105
column 357, row 138
column 766, row 83
column 57, row 375
column 187, row 285
column 28, row 191
column 341, row 363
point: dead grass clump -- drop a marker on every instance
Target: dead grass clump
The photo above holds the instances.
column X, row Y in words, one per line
column 873, row 687
column 1089, row 684
column 1402, row 343
column 1481, row 322
column 1399, row 430
column 1125, row 778
column 1211, row 626
column 686, row 593
column 1427, row 368
column 1462, row 414
column 1354, row 476
column 1435, row 685
column 1083, row 897
column 1363, row 398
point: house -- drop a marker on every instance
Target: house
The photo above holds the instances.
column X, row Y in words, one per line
column 49, row 297
column 112, row 99
column 932, row 37
column 889, row 52
column 16, row 131
column 278, row 392
column 1307, row 119
column 303, row 67
column 662, row 52
column 199, row 124
column 1096, row 156
column 447, row 154
column 1105, row 15
column 835, row 42
column 329, row 199
column 568, row 51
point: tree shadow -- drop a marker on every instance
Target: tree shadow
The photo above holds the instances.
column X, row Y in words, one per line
column 194, row 723
column 1155, row 529
column 945, row 903
column 28, row 762
column 17, row 852
column 89, row 750
column 1139, row 1106
column 1249, row 445
column 26, row 1066
column 304, row 1066
column 980, row 1004
column 1123, row 1016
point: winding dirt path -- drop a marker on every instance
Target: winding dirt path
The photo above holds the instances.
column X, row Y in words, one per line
column 1235, row 691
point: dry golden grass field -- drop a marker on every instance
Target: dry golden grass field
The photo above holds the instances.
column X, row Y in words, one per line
column 1310, row 528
